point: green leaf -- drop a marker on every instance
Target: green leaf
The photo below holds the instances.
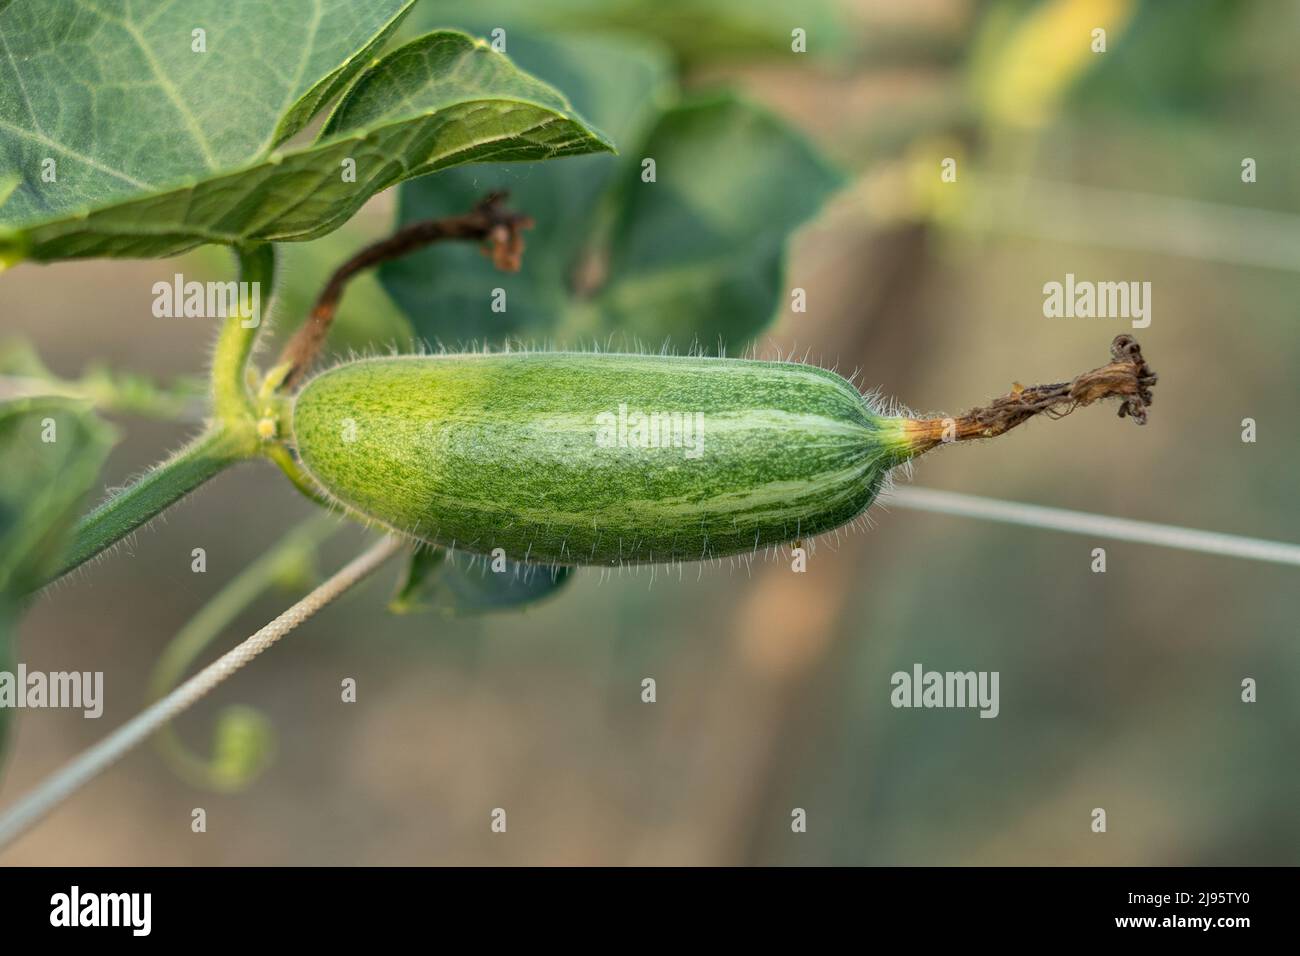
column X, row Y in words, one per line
column 8, row 623
column 468, row 586
column 181, row 164
column 105, row 388
column 696, row 255
column 445, row 290
column 52, row 450
column 697, row 31
column 701, row 252
column 471, row 588
column 422, row 570
column 128, row 101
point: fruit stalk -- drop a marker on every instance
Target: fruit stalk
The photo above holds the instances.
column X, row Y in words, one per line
column 489, row 221
column 1126, row 377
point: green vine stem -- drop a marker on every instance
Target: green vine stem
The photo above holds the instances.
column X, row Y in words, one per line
column 231, row 436
column 231, row 402
column 242, row 736
column 162, row 486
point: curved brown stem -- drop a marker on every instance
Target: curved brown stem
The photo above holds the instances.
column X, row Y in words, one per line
column 1126, row 377
column 489, row 222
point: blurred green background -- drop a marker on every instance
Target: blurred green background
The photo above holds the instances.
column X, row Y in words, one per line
column 1118, row 690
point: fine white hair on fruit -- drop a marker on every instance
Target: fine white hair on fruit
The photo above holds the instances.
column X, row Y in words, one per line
column 877, row 402
column 666, row 534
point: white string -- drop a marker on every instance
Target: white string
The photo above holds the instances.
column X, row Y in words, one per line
column 1100, row 526
column 83, row 768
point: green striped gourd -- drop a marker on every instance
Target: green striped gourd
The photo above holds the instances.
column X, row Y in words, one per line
column 582, row 458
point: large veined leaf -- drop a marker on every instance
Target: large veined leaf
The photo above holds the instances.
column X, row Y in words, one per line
column 105, row 100
column 125, row 140
column 696, row 256
column 52, row 450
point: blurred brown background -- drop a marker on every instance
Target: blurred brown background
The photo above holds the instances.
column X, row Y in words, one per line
column 1118, row 690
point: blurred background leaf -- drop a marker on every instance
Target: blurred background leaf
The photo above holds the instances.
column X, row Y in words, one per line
column 700, row 254
column 694, row 256
column 52, row 450
column 445, row 290
column 696, row 31
column 1028, row 57
column 24, row 374
column 419, row 579
column 463, row 585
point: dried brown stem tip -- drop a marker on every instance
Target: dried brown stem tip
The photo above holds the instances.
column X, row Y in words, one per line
column 489, row 222
column 1127, row 377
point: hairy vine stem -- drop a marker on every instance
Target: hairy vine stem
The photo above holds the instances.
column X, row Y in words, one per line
column 123, row 512
column 489, row 221
column 231, row 435
column 231, row 402
column 90, row 763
